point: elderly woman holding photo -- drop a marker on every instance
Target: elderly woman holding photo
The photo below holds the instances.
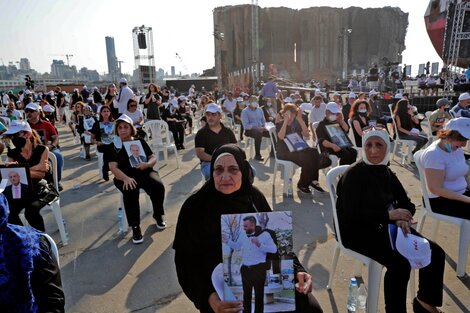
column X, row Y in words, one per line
column 197, row 244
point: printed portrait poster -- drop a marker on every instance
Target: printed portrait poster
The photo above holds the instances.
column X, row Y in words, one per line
column 258, row 266
column 338, row 136
column 15, row 182
column 135, row 151
column 106, row 131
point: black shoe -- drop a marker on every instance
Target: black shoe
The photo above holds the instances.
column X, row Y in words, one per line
column 182, row 147
column 61, row 187
column 418, row 308
column 88, row 158
column 137, row 235
column 305, row 190
column 317, row 187
column 161, row 224
column 106, row 177
column 271, row 154
column 259, row 157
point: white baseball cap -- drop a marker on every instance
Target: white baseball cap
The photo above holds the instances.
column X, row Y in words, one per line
column 123, row 81
column 460, row 124
column 32, row 106
column 333, row 107
column 416, row 249
column 464, row 96
column 213, row 108
column 352, row 95
column 125, row 118
column 174, row 103
column 373, row 93
column 48, row 108
column 288, row 100
column 17, row 126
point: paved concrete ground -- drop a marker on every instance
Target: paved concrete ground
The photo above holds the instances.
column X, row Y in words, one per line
column 104, row 272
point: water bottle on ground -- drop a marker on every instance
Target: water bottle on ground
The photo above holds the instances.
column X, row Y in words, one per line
column 65, row 228
column 361, row 298
column 352, row 296
column 121, row 227
column 289, row 188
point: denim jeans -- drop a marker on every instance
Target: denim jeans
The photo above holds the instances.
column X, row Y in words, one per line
column 60, row 162
column 206, row 169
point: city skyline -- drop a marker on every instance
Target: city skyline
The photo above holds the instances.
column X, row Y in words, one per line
column 46, row 30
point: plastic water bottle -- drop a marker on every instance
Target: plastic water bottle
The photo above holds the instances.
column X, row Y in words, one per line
column 352, row 295
column 289, row 188
column 65, row 228
column 121, row 227
column 362, row 298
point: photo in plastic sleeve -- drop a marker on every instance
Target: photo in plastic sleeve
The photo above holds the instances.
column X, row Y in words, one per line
column 135, row 151
column 258, row 260
column 15, row 182
column 106, row 131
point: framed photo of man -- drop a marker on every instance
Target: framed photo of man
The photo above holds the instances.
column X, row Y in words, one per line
column 15, row 181
column 338, row 136
column 258, row 259
column 135, row 151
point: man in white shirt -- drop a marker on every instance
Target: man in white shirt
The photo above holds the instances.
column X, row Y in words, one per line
column 317, row 113
column 125, row 94
column 229, row 105
column 255, row 245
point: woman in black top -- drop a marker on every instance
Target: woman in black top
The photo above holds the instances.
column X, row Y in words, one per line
column 359, row 119
column 28, row 150
column 129, row 177
column 371, row 200
column 102, row 135
column 153, row 102
column 185, row 112
column 109, row 98
column 308, row 158
column 176, row 122
column 197, row 244
column 408, row 124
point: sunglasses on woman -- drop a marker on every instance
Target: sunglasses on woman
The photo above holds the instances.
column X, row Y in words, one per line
column 374, row 127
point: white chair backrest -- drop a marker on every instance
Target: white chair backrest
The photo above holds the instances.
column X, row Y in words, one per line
column 332, row 179
column 53, row 245
column 159, row 130
column 452, row 113
column 351, row 134
column 395, row 128
column 427, row 114
column 53, row 161
column 422, row 178
column 274, row 139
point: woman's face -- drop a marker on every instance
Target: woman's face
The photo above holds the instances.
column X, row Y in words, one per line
column 132, row 107
column 458, row 144
column 153, row 88
column 227, row 175
column 105, row 113
column 375, row 149
column 362, row 106
column 124, row 130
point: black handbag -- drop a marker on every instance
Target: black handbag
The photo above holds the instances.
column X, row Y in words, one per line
column 325, row 160
column 46, row 192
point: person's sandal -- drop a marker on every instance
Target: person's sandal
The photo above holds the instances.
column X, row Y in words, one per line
column 418, row 308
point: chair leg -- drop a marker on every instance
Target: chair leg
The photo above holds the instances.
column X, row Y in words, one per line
column 275, row 172
column 464, row 242
column 411, row 285
column 395, row 144
column 55, row 207
column 422, row 218
column 375, row 276
column 334, row 263
column 125, row 223
column 435, row 229
column 177, row 160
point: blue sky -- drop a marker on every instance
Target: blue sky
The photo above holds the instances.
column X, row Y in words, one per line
column 42, row 30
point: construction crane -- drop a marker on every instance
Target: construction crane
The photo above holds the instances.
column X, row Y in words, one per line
column 68, row 56
column 182, row 63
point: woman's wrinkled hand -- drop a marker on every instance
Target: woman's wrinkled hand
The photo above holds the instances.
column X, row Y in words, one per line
column 220, row 306
column 304, row 284
column 400, row 215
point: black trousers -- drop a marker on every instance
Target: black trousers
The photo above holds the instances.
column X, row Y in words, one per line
column 308, row 160
column 257, row 135
column 398, row 273
column 451, row 207
column 178, row 132
column 153, row 186
column 105, row 149
column 253, row 277
column 346, row 155
column 32, row 213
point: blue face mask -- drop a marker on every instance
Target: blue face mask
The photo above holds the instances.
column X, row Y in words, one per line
column 448, row 147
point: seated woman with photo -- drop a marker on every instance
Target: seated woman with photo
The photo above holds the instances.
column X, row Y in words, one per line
column 28, row 150
column 198, row 242
column 308, row 158
column 129, row 179
column 102, row 136
column 408, row 124
column 332, row 135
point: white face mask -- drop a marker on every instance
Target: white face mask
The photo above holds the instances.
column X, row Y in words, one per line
column 269, row 104
column 254, row 105
column 332, row 118
column 362, row 111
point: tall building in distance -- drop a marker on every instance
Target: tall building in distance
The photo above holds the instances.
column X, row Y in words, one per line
column 25, row 65
column 113, row 70
column 173, row 71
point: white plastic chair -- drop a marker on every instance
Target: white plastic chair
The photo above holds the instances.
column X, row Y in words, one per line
column 431, row 138
column 125, row 223
column 54, row 249
column 374, row 268
column 334, row 159
column 161, row 140
column 409, row 144
column 463, row 224
column 353, row 139
column 288, row 166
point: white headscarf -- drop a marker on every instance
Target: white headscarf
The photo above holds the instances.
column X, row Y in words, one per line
column 382, row 134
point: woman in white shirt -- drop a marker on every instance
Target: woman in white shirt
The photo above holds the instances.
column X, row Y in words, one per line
column 447, row 173
column 136, row 116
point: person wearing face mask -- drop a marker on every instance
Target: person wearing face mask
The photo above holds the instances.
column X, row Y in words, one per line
column 371, row 200
column 255, row 125
column 332, row 135
column 269, row 111
column 447, row 173
column 359, row 119
column 28, row 150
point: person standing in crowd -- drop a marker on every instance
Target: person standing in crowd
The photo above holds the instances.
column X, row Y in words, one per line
column 76, row 97
column 255, row 125
column 31, row 279
column 60, row 104
column 408, row 124
column 130, row 179
column 85, row 93
column 197, row 244
column 370, row 200
column 439, row 116
column 109, row 98
column 331, row 142
column 255, row 245
column 175, row 121
column 317, row 113
column 153, row 102
column 125, row 94
column 359, row 119
column 269, row 89
column 28, row 150
column 102, row 135
column 97, row 97
column 447, row 173
column 47, row 134
column 213, row 135
column 308, row 158
column 461, row 109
